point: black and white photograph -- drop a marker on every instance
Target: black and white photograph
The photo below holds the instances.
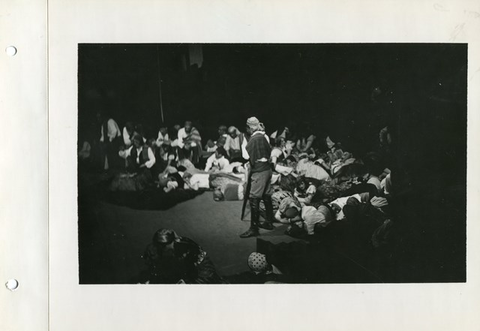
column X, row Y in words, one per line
column 292, row 163
column 239, row 165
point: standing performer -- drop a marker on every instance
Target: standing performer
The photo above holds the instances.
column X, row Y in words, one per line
column 110, row 141
column 260, row 177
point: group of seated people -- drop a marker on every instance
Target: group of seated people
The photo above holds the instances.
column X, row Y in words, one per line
column 316, row 182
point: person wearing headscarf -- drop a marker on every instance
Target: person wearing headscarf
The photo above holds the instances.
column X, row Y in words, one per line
column 259, row 150
column 263, row 271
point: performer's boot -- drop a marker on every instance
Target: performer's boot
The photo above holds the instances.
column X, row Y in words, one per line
column 255, row 219
column 268, row 224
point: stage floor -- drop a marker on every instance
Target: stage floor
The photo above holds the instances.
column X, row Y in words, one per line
column 112, row 238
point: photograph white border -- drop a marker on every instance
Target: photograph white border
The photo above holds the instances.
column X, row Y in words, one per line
column 242, row 307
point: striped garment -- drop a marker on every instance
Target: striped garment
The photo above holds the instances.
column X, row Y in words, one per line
column 277, row 198
column 258, row 148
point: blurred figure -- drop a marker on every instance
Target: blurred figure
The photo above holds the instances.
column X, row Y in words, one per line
column 128, row 132
column 172, row 259
column 110, row 141
column 233, row 145
column 278, row 153
column 189, row 142
column 163, row 137
column 222, row 131
column 283, row 132
column 305, row 140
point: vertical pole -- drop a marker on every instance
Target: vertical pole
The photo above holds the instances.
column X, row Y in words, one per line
column 160, row 86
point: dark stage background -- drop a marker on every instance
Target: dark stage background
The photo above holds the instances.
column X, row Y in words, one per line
column 349, row 91
column 329, row 86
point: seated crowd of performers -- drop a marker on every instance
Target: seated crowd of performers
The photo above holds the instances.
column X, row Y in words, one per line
column 296, row 178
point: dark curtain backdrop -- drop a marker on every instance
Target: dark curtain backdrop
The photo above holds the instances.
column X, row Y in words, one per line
column 330, row 87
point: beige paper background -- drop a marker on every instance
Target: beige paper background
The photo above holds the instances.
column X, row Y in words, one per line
column 303, row 307
column 23, row 166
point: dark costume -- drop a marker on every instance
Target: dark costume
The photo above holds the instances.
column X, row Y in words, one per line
column 259, row 151
column 180, row 260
